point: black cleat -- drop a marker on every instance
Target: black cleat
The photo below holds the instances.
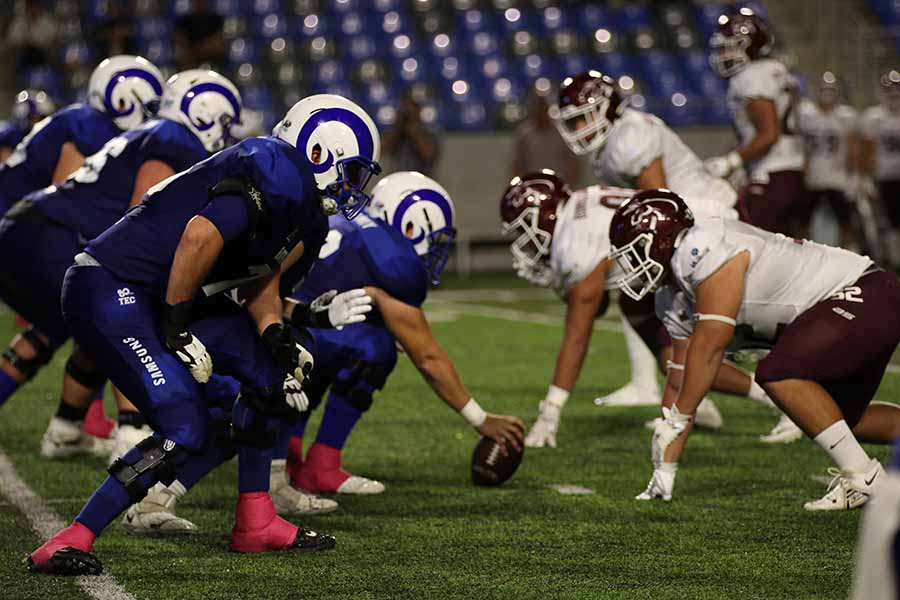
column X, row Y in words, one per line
column 70, row 561
column 310, row 541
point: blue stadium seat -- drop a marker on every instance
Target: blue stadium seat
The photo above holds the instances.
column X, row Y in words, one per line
column 451, row 68
column 482, row 43
column 411, row 69
column 591, row 16
column 361, row 47
column 76, row 53
column 571, row 64
column 380, row 94
column 493, row 67
column 394, row 23
column 154, row 28
column 679, row 109
column 228, row 8
column 615, row 64
column 515, row 19
column 508, row 89
column 553, row 18
column 243, row 50
column 258, row 97
column 265, row 7
column 473, row 20
column 327, row 73
column 158, row 51
column 534, row 66
column 632, row 16
column 355, row 23
column 402, row 46
column 270, row 26
column 707, row 17
column 340, row 6
column 384, row 6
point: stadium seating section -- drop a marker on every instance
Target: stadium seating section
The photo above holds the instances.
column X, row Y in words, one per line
column 471, row 62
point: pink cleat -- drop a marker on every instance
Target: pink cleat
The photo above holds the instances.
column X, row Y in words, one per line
column 258, row 529
column 66, row 553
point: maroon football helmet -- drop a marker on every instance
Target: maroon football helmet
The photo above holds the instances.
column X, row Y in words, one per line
column 890, row 91
column 529, row 208
column 644, row 233
column 739, row 38
column 587, row 106
column 828, row 91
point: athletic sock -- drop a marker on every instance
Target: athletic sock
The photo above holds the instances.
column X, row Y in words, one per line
column 106, row 503
column 839, row 443
column 643, row 363
column 281, row 448
column 70, row 413
column 758, row 394
column 8, row 385
column 131, row 417
column 253, row 469
column 338, row 421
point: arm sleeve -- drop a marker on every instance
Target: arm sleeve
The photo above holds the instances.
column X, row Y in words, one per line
column 228, row 213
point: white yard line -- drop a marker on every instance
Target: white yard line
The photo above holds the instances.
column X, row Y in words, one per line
column 45, row 523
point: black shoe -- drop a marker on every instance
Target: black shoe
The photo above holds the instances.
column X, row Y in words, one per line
column 70, row 561
column 310, row 541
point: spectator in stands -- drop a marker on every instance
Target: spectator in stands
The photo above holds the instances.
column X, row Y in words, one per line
column 539, row 146
column 410, row 146
column 199, row 37
column 32, row 34
column 116, row 33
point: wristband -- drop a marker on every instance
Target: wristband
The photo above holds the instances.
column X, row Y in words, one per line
column 304, row 316
column 556, row 396
column 473, row 413
column 177, row 317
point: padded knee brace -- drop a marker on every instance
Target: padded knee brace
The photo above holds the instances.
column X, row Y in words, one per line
column 30, row 366
column 154, row 456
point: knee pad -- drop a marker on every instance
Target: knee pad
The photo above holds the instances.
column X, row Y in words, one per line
column 30, row 366
column 251, row 426
column 153, row 459
column 84, row 371
column 358, row 386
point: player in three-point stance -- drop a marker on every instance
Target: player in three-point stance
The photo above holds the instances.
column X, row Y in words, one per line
column 145, row 299
column 562, row 241
column 830, row 315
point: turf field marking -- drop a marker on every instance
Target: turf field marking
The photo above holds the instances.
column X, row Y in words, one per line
column 518, row 316
column 45, row 523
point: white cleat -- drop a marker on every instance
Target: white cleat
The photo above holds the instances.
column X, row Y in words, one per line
column 291, row 501
column 630, row 395
column 155, row 516
column 360, row 485
column 127, row 437
column 784, row 432
column 849, row 490
column 65, row 439
column 708, row 416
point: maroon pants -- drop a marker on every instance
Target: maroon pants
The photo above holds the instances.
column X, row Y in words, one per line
column 774, row 206
column 889, row 193
column 844, row 344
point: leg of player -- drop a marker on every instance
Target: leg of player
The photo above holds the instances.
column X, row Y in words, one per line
column 643, row 389
column 23, row 358
column 132, row 427
column 64, row 436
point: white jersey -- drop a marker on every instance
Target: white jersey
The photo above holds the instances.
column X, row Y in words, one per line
column 883, row 128
column 825, row 142
column 581, row 235
column 767, row 79
column 785, row 277
column 636, row 139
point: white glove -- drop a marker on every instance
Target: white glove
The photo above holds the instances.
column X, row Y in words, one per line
column 543, row 432
column 723, row 166
column 294, row 395
column 661, row 484
column 304, row 364
column 669, row 429
column 193, row 354
column 345, row 308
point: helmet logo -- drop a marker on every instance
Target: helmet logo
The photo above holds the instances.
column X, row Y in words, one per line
column 195, row 91
column 410, row 200
column 649, row 211
column 117, row 78
column 359, row 128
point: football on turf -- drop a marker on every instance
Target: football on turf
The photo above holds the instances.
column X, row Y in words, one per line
column 490, row 466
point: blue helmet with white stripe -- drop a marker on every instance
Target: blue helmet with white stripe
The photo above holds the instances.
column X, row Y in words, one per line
column 204, row 102
column 127, row 88
column 422, row 210
column 342, row 147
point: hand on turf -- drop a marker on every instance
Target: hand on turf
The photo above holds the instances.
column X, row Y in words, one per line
column 342, row 309
column 192, row 353
column 668, row 429
column 660, row 487
column 723, row 166
column 294, row 396
column 504, row 430
column 543, row 432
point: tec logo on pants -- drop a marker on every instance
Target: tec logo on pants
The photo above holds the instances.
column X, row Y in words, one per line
column 125, row 296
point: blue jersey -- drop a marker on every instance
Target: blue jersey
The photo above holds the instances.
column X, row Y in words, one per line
column 99, row 193
column 11, row 133
column 366, row 252
column 140, row 247
column 30, row 167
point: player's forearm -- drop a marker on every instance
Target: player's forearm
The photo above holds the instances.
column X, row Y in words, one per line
column 758, row 147
column 438, row 370
column 266, row 307
column 70, row 160
column 195, row 256
column 704, row 358
column 569, row 361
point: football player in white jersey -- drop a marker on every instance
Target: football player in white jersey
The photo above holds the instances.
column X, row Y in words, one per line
column 830, row 314
column 631, row 149
column 562, row 241
column 830, row 141
column 880, row 155
column 761, row 98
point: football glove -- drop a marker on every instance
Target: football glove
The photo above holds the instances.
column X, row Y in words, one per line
column 185, row 345
column 723, row 166
column 543, row 432
column 661, row 484
column 287, row 350
column 337, row 310
column 669, row 429
column 294, row 396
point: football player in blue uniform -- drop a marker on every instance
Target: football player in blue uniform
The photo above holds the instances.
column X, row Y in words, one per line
column 29, row 107
column 395, row 251
column 145, row 299
column 122, row 92
column 42, row 233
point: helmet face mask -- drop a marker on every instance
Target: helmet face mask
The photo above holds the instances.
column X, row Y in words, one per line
column 641, row 273
column 348, row 191
column 728, row 55
column 584, row 112
column 531, row 248
column 740, row 38
column 435, row 258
